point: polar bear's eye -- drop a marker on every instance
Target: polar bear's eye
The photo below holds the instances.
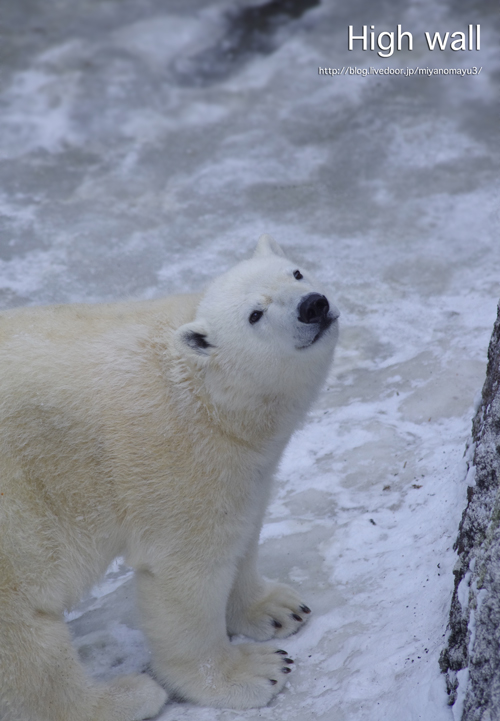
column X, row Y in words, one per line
column 297, row 274
column 255, row 316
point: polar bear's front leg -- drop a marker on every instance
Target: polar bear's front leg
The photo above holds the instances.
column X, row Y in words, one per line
column 262, row 609
column 183, row 616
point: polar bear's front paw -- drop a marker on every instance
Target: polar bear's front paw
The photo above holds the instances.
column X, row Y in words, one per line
column 278, row 613
column 251, row 676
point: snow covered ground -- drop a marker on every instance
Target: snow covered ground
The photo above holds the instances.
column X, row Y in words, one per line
column 144, row 147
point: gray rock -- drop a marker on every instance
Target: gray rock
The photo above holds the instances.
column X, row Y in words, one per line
column 471, row 659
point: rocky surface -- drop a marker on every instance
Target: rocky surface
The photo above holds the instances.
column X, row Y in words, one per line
column 471, row 659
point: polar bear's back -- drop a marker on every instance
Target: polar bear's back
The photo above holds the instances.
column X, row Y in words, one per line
column 83, row 321
column 58, row 362
column 53, row 347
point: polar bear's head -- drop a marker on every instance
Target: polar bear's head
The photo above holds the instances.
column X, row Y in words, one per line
column 264, row 327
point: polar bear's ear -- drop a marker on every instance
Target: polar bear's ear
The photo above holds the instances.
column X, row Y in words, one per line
column 267, row 246
column 194, row 336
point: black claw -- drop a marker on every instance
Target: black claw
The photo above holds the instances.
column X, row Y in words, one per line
column 283, row 653
column 289, row 660
column 305, row 609
column 285, row 669
column 273, row 681
column 276, row 623
column 296, row 617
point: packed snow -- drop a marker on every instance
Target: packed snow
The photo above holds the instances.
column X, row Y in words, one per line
column 144, row 147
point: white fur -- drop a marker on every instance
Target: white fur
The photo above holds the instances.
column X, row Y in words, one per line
column 122, row 433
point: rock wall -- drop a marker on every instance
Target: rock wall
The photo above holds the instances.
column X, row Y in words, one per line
column 471, row 659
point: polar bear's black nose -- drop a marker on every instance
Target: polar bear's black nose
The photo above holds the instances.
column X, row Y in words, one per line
column 313, row 308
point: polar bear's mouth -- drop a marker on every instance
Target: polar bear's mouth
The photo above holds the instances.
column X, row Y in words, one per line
column 324, row 327
column 321, row 332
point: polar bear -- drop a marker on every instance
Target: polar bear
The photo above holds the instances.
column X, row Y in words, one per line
column 152, row 430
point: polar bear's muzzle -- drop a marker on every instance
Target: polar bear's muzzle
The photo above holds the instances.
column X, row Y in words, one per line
column 315, row 309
